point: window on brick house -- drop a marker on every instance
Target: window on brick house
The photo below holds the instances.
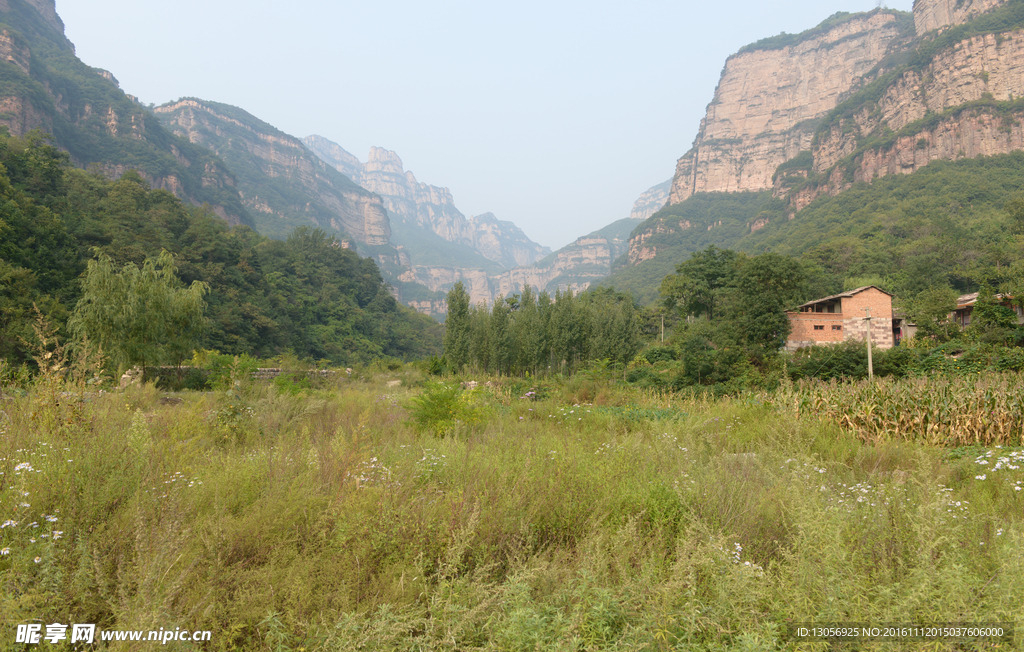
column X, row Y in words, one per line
column 837, row 328
column 818, row 327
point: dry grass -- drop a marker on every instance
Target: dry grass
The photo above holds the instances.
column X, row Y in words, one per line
column 326, row 520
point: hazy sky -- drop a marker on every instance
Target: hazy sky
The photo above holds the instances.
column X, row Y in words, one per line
column 555, row 115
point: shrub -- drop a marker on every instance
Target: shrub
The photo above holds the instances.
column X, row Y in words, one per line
column 442, row 408
column 660, row 354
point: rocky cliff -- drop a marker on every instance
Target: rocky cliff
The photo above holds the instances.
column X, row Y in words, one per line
column 964, row 102
column 575, row 266
column 420, row 206
column 47, row 87
column 652, row 201
column 282, row 184
column 936, row 14
column 853, row 100
column 772, row 95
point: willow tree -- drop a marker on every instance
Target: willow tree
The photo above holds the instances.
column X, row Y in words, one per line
column 139, row 316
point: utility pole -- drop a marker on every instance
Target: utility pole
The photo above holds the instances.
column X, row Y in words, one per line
column 662, row 328
column 871, row 368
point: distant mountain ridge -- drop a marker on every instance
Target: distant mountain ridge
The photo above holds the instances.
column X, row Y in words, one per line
column 249, row 172
column 282, row 184
column 430, row 207
column 44, row 86
column 422, row 214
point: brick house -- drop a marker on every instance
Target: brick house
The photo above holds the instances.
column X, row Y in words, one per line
column 965, row 306
column 841, row 318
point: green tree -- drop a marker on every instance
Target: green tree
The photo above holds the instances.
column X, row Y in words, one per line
column 930, row 311
column 699, row 282
column 139, row 316
column 766, row 285
column 614, row 325
column 480, row 337
column 457, row 327
column 991, row 320
column 502, row 342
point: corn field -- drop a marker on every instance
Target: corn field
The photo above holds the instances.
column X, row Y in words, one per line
column 948, row 411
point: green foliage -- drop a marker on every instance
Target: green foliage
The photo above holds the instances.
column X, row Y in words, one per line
column 783, row 40
column 946, row 225
column 305, row 294
column 743, row 297
column 951, row 224
column 442, row 409
column 456, row 328
column 530, row 334
column 930, row 310
column 660, row 354
column 139, row 316
column 650, row 522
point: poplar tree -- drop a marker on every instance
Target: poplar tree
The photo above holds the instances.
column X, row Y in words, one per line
column 456, row 328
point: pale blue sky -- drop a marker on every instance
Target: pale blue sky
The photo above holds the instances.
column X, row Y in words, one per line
column 555, row 115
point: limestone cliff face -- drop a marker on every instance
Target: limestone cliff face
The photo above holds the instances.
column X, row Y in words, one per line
column 424, row 206
column 767, row 104
column 281, row 183
column 411, row 201
column 851, row 101
column 91, row 118
column 936, row 14
column 652, row 201
column 574, row 267
column 335, row 156
column 961, row 105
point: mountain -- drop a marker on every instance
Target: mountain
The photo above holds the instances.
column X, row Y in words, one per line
column 799, row 119
column 420, row 207
column 282, row 184
column 44, row 86
column 575, row 266
column 772, row 95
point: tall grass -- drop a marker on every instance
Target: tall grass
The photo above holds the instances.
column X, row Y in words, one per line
column 329, row 519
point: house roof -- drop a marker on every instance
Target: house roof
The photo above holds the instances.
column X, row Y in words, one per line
column 843, row 295
column 966, row 300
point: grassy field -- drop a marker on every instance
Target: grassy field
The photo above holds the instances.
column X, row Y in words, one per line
column 365, row 514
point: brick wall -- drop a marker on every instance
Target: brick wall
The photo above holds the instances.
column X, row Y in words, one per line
column 811, row 328
column 804, row 333
column 856, row 328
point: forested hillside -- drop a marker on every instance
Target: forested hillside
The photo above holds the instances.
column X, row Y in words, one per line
column 934, row 124
column 952, row 223
column 306, row 295
column 43, row 85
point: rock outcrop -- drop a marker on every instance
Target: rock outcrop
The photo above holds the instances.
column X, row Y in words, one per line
column 936, row 14
column 573, row 267
column 47, row 88
column 432, row 208
column 986, row 69
column 282, row 184
column 652, row 201
column 770, row 99
column 856, row 99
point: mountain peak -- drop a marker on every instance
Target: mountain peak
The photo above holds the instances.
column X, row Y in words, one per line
column 45, row 8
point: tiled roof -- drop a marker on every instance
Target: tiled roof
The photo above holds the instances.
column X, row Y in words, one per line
column 843, row 295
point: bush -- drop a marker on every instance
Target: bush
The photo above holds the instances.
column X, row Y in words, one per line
column 846, row 360
column 645, row 377
column 898, row 362
column 442, row 408
column 660, row 354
